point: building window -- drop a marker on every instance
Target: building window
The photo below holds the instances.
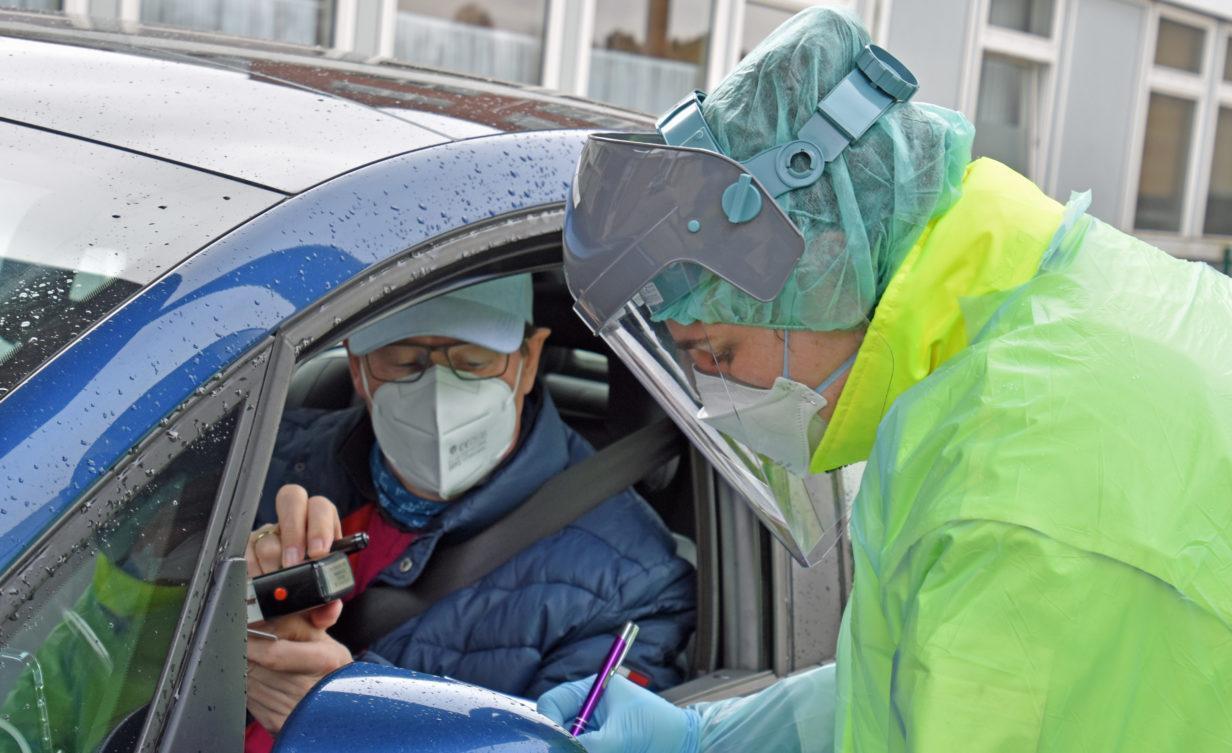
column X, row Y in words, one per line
column 492, row 38
column 1181, row 130
column 32, row 4
column 308, row 22
column 1027, row 16
column 648, row 54
column 1179, row 46
column 1227, row 61
column 1006, row 113
column 759, row 21
column 1219, row 200
column 1165, row 161
column 1016, row 53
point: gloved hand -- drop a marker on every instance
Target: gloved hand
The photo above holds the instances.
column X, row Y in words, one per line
column 628, row 719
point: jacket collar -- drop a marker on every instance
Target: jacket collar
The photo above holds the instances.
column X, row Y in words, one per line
column 990, row 241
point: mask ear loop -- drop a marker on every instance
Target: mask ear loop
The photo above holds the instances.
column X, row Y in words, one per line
column 517, row 381
column 825, row 383
column 834, row 376
column 363, row 374
column 786, row 354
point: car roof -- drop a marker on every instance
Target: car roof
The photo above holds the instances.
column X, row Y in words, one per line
column 77, row 416
column 299, row 115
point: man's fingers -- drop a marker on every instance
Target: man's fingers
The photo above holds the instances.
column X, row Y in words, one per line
column 324, row 617
column 291, row 627
column 291, row 502
column 265, row 716
column 302, row 657
column 278, row 690
column 276, row 694
column 267, row 550
column 323, row 526
column 270, row 701
column 250, row 556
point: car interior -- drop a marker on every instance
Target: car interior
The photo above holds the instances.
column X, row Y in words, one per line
column 596, row 395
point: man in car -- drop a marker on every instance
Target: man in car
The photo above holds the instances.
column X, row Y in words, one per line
column 454, row 433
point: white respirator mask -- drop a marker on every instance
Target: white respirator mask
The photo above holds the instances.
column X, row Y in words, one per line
column 781, row 422
column 443, row 434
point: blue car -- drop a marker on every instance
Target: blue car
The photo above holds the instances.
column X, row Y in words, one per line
column 188, row 228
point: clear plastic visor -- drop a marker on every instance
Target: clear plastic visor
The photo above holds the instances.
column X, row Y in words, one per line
column 643, row 210
column 722, row 384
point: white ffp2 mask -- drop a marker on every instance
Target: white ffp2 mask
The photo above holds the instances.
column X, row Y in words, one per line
column 782, row 422
column 443, row 434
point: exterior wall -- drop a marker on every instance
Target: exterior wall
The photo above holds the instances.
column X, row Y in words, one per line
column 932, row 39
column 1101, row 75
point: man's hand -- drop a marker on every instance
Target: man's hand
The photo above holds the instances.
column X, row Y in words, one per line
column 305, row 524
column 281, row 672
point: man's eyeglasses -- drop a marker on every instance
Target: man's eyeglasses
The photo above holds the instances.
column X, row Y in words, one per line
column 407, row 363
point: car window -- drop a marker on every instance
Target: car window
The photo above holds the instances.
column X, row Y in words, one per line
column 90, row 653
column 83, row 227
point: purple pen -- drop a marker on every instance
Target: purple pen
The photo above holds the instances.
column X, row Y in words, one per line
column 615, row 656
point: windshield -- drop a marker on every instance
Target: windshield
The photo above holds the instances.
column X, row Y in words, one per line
column 83, row 227
column 42, row 307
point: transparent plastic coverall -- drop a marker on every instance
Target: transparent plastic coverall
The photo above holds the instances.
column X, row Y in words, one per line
column 1043, row 534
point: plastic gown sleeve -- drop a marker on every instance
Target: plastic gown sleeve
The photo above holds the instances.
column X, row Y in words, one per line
column 794, row 714
column 1014, row 642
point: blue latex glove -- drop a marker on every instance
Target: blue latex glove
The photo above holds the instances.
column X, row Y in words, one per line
column 628, row 719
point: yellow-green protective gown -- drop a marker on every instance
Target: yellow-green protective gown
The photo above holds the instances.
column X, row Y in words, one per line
column 1043, row 534
column 100, row 663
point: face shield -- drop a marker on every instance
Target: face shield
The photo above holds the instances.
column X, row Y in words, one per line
column 652, row 217
column 691, row 372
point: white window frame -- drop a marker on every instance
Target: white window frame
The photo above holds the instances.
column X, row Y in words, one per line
column 567, row 39
column 1044, row 53
column 1221, row 98
column 1207, row 90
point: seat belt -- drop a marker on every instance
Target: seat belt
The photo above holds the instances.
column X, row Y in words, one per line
column 561, row 500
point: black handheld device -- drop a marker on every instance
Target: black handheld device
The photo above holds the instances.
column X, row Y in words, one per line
column 306, row 585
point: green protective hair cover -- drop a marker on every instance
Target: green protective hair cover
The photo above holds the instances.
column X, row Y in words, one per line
column 871, row 203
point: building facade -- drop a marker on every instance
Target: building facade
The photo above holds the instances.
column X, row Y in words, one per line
column 1129, row 98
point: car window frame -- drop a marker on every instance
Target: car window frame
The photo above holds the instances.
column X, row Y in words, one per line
column 522, row 241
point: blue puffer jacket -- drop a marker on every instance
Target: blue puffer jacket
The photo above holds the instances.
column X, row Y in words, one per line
column 546, row 616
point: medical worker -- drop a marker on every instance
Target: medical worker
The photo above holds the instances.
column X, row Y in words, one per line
column 812, row 272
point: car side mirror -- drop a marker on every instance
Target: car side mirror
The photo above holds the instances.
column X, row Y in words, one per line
column 378, row 709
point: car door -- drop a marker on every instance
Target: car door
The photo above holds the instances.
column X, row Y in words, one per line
column 109, row 624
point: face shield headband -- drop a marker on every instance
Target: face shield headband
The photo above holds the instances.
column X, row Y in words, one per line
column 649, row 211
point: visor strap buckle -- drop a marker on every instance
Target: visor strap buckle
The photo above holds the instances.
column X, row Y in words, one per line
column 741, row 200
column 878, row 82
